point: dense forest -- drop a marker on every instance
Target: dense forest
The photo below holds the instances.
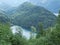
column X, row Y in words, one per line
column 49, row 36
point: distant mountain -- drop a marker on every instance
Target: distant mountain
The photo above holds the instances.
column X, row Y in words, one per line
column 3, row 17
column 28, row 15
column 7, row 8
column 52, row 5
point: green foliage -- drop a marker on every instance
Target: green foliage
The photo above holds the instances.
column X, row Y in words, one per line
column 8, row 38
column 52, row 36
column 55, row 34
column 18, row 40
column 58, row 22
column 5, row 34
column 33, row 30
column 40, row 30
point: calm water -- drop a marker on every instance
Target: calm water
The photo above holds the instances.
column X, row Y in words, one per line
column 25, row 32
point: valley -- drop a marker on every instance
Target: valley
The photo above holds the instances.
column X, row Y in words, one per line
column 29, row 23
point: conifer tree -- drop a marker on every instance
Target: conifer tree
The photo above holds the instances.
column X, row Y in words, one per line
column 58, row 21
column 55, row 34
column 40, row 30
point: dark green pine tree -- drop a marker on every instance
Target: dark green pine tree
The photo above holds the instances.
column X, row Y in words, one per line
column 55, row 34
column 58, row 21
column 40, row 30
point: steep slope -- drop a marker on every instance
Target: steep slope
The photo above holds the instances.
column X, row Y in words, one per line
column 7, row 8
column 52, row 5
column 3, row 17
column 28, row 15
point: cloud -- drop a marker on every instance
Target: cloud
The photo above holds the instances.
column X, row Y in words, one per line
column 40, row 1
column 43, row 1
column 56, row 14
column 13, row 2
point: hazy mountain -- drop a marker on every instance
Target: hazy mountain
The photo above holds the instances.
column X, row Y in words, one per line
column 7, row 8
column 28, row 14
column 52, row 5
column 3, row 17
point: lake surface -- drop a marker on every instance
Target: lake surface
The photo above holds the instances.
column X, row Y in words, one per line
column 25, row 32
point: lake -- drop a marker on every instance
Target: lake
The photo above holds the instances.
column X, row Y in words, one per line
column 25, row 32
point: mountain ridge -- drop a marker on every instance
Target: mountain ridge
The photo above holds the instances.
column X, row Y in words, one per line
column 3, row 17
column 28, row 15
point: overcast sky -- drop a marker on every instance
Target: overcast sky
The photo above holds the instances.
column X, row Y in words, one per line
column 12, row 2
column 53, row 5
column 17, row 2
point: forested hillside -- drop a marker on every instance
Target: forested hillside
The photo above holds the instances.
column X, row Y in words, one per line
column 28, row 14
column 3, row 17
column 50, row 36
column 43, row 25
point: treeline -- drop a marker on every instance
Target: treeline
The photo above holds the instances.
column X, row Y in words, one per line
column 50, row 36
